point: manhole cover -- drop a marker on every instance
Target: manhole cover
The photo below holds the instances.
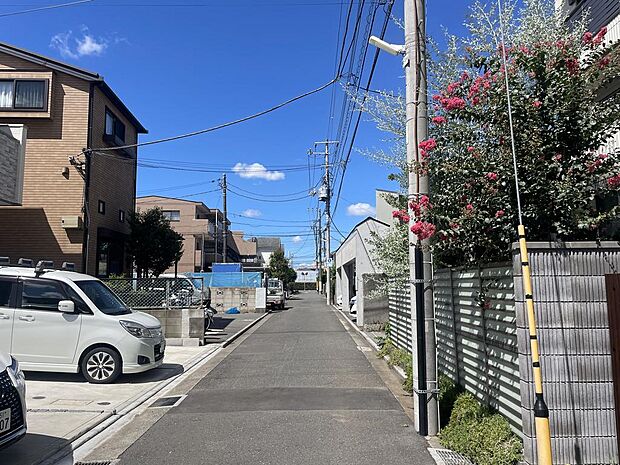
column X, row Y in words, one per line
column 448, row 457
column 165, row 402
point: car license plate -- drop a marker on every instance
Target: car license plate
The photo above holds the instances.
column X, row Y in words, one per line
column 5, row 420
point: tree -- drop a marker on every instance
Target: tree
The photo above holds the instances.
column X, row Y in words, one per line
column 558, row 76
column 279, row 267
column 154, row 245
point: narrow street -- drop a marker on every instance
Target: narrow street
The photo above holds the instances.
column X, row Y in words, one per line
column 296, row 391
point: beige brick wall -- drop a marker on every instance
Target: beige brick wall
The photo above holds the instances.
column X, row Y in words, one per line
column 35, row 231
column 113, row 177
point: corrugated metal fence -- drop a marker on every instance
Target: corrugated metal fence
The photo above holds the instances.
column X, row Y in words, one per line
column 476, row 334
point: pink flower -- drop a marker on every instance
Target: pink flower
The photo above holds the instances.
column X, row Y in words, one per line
column 417, row 207
column 401, row 215
column 557, row 157
column 587, row 38
column 536, row 103
column 524, row 50
column 572, row 65
column 598, row 39
column 603, row 156
column 614, row 182
column 492, row 176
column 437, row 97
column 428, row 144
column 453, row 87
column 453, row 103
column 469, row 208
column 423, row 229
column 464, row 76
column 470, row 149
column 439, row 120
column 499, row 213
column 604, row 62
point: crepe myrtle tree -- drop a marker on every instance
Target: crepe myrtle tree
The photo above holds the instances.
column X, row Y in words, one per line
column 557, row 77
column 563, row 114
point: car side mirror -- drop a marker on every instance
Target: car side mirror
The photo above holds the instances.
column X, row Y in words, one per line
column 66, row 306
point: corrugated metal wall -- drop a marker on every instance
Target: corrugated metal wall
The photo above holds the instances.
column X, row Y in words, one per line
column 476, row 343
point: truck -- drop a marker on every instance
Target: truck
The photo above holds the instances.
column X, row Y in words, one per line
column 275, row 293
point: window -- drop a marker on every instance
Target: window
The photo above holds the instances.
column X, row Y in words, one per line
column 172, row 215
column 101, row 207
column 42, row 294
column 103, row 298
column 121, row 216
column 23, row 94
column 6, row 287
column 114, row 127
column 198, row 243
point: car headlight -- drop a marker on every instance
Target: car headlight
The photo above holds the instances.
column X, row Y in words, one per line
column 17, row 377
column 136, row 329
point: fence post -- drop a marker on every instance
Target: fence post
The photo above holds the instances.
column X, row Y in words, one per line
column 167, row 301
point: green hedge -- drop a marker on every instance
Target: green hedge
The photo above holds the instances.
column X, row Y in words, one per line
column 479, row 434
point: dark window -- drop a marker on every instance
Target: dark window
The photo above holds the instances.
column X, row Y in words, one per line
column 101, row 207
column 5, row 292
column 172, row 215
column 103, row 298
column 121, row 216
column 23, row 94
column 42, row 294
column 114, row 127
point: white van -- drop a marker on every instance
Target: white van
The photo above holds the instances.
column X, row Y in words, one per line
column 68, row 322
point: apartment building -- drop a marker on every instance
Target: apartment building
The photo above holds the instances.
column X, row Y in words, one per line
column 246, row 250
column 65, row 206
column 201, row 226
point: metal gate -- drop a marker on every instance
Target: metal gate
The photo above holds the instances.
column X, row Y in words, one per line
column 612, row 282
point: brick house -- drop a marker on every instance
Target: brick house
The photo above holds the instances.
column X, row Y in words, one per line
column 59, row 110
column 202, row 228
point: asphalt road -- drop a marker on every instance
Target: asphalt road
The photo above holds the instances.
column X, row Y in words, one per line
column 296, row 391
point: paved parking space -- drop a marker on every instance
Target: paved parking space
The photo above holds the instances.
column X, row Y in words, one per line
column 225, row 326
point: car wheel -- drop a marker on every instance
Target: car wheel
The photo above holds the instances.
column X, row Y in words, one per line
column 101, row 365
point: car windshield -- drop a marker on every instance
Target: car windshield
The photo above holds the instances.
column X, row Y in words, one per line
column 103, row 298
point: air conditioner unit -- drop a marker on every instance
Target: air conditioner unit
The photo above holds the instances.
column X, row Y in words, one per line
column 72, row 222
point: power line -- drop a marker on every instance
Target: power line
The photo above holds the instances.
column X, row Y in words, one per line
column 267, row 219
column 270, row 195
column 223, row 125
column 173, row 188
column 295, row 199
column 359, row 116
column 42, row 8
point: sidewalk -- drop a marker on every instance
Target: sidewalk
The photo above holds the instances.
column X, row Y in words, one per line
column 297, row 390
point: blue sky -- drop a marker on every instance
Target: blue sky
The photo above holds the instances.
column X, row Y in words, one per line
column 184, row 68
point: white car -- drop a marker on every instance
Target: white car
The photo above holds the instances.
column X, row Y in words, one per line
column 12, row 401
column 69, row 322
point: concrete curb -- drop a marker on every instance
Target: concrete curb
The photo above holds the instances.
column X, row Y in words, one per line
column 235, row 336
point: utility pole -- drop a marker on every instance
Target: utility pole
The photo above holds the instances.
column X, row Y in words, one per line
column 420, row 265
column 325, row 196
column 319, row 231
column 225, row 245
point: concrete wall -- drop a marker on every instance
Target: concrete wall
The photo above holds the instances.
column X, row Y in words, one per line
column 244, row 298
column 11, row 164
column 181, row 326
column 571, row 311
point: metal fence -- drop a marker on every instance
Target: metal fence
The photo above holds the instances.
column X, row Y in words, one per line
column 169, row 293
column 476, row 334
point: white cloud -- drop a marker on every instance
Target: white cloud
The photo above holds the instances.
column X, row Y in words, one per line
column 360, row 209
column 296, row 239
column 70, row 46
column 252, row 213
column 256, row 170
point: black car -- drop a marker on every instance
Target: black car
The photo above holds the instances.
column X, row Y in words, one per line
column 12, row 401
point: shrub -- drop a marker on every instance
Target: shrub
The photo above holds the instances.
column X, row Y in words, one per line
column 448, row 393
column 400, row 358
column 482, row 436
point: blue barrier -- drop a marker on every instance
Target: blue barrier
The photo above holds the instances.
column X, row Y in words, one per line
column 233, row 279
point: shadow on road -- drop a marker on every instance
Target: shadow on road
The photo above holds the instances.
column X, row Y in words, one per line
column 32, row 449
column 165, row 371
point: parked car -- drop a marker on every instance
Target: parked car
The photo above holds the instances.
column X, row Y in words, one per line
column 275, row 293
column 62, row 321
column 12, row 401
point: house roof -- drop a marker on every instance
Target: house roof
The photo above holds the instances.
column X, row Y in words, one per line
column 370, row 218
column 162, row 197
column 72, row 70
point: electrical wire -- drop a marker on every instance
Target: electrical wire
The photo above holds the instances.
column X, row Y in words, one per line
column 42, row 8
column 271, row 195
column 295, row 199
column 223, row 125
